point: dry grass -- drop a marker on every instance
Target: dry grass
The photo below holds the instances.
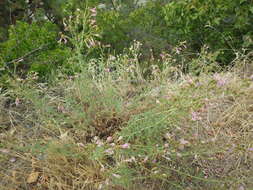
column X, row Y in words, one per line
column 192, row 133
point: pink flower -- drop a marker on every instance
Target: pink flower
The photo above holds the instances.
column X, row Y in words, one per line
column 125, row 146
column 5, row 151
column 220, row 81
column 251, row 149
column 99, row 143
column 251, row 77
column 107, row 70
column 13, row 160
column 60, row 108
column 195, row 116
column 183, row 142
column 80, row 144
column 17, row 101
column 109, row 151
column 162, row 55
column 93, row 12
column 145, row 159
column 190, row 81
column 109, row 139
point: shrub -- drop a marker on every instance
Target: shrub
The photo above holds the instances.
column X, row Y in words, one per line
column 145, row 23
column 82, row 133
column 221, row 24
column 32, row 47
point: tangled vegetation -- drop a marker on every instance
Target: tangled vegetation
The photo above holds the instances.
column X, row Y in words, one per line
column 126, row 95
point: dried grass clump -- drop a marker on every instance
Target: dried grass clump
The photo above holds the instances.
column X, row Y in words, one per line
column 190, row 133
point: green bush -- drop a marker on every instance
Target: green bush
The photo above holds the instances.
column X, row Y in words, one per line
column 32, row 47
column 149, row 28
column 113, row 29
column 223, row 25
column 145, row 24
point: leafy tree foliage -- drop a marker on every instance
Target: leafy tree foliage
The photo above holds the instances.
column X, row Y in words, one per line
column 32, row 47
column 224, row 25
column 221, row 27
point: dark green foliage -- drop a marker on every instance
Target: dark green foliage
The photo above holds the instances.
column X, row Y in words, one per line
column 145, row 24
column 113, row 29
column 223, row 25
column 220, row 27
column 150, row 29
column 32, row 47
column 10, row 12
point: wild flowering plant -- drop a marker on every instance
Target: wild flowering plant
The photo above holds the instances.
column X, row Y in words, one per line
column 83, row 32
column 221, row 80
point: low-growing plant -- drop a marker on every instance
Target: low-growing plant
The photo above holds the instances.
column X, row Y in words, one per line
column 104, row 131
column 110, row 122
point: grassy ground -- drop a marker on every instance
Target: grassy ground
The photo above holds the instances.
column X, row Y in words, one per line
column 109, row 131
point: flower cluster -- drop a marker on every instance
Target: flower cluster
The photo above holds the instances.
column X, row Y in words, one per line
column 195, row 116
column 221, row 81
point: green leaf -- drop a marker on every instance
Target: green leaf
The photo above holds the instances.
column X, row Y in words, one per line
column 251, row 9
